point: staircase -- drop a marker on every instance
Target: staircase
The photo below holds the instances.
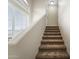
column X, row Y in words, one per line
column 52, row 45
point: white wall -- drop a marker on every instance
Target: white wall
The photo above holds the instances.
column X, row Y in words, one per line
column 39, row 5
column 39, row 8
column 52, row 15
column 25, row 46
column 64, row 21
column 28, row 45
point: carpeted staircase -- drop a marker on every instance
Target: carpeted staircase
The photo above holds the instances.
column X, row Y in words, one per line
column 52, row 45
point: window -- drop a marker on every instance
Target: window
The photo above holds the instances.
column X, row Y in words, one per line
column 18, row 21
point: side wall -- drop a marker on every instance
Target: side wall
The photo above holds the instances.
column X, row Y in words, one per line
column 28, row 45
column 64, row 21
column 39, row 8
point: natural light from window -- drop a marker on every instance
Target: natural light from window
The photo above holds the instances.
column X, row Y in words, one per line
column 18, row 21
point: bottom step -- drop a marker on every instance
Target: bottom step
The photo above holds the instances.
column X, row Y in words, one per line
column 52, row 55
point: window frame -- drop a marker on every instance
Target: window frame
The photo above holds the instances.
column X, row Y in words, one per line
column 16, row 5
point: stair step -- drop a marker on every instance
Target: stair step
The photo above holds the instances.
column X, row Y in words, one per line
column 52, row 47
column 52, row 55
column 52, row 37
column 52, row 26
column 52, row 31
column 52, row 42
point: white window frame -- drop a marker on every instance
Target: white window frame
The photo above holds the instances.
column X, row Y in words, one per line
column 20, row 7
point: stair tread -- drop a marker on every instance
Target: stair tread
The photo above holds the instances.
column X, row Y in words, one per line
column 52, row 54
column 52, row 27
column 52, row 40
column 52, row 31
column 51, row 46
column 52, row 36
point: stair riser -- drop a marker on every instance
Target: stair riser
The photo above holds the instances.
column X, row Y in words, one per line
column 52, row 42
column 52, row 37
column 59, row 50
column 52, row 34
column 52, row 58
column 52, row 49
column 52, row 27
column 51, row 31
